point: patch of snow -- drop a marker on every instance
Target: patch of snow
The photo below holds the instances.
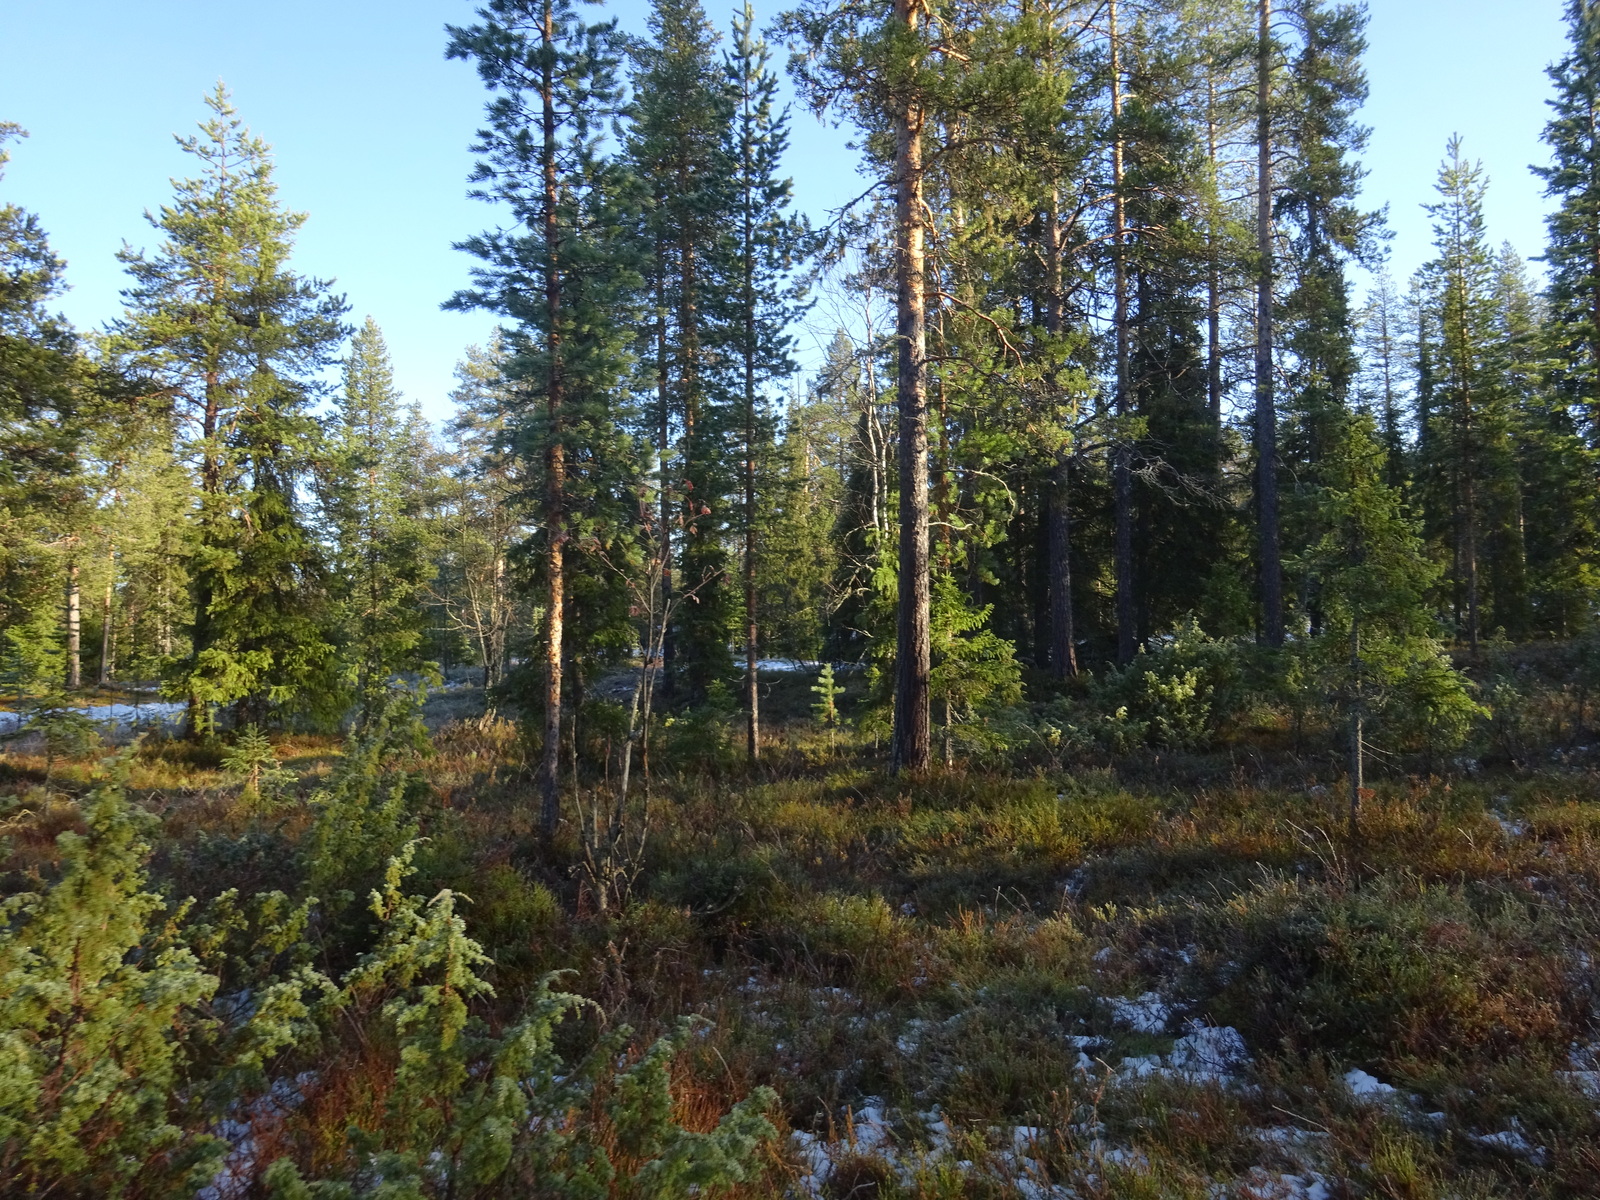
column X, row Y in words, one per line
column 1514, row 828
column 1209, row 1053
column 1367, row 1087
column 1148, row 1013
column 1513, row 1142
column 116, row 716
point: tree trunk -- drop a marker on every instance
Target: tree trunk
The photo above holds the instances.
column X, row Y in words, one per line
column 1122, row 452
column 1214, row 264
column 74, row 629
column 752, row 625
column 664, row 433
column 555, row 467
column 912, row 742
column 1357, row 757
column 1266, row 421
column 1063, row 648
column 108, row 641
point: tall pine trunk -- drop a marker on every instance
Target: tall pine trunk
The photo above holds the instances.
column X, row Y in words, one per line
column 1058, row 502
column 555, row 467
column 1266, row 420
column 1214, row 263
column 1122, row 452
column 752, row 626
column 664, row 433
column 912, row 747
column 74, row 629
column 108, row 637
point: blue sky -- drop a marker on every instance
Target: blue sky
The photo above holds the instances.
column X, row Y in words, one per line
column 370, row 125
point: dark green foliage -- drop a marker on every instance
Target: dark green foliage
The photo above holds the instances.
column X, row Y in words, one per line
column 93, row 999
column 233, row 340
column 473, row 1114
column 375, row 499
column 46, row 395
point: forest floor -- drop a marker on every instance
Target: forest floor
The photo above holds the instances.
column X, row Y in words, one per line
column 1169, row 976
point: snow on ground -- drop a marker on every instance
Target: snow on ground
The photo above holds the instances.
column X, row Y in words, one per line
column 116, row 716
column 793, row 666
column 1367, row 1087
column 1148, row 1013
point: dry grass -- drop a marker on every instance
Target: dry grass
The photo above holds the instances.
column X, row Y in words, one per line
column 937, row 945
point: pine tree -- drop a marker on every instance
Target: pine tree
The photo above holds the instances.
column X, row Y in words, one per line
column 380, row 542
column 481, row 518
column 1269, row 552
column 1470, row 487
column 690, row 152
column 1376, row 652
column 1325, row 232
column 1555, row 506
column 234, row 340
column 1572, row 179
column 770, row 240
column 45, row 390
column 566, row 274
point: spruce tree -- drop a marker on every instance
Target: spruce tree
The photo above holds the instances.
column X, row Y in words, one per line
column 481, row 519
column 769, row 241
column 234, row 340
column 1326, row 232
column 1572, row 180
column 1468, row 465
column 379, row 539
column 689, row 153
column 1375, row 652
column 45, row 391
column 566, row 274
column 1554, row 516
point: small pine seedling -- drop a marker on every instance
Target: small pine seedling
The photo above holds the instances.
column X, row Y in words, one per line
column 826, row 709
column 252, row 760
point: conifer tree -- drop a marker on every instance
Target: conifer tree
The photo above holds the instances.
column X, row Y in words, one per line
column 566, row 273
column 379, row 540
column 1468, row 467
column 1325, row 232
column 770, row 239
column 689, row 153
column 1269, row 552
column 481, row 517
column 1554, row 508
column 93, row 1009
column 1382, row 325
column 45, row 389
column 1572, row 180
column 1376, row 651
column 234, row 341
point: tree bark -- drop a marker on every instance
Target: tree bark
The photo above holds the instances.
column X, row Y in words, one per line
column 555, row 465
column 752, row 625
column 1266, row 421
column 1122, row 451
column 912, row 747
column 1357, row 757
column 108, row 640
column 1058, row 502
column 74, row 629
column 1214, row 264
column 1063, row 648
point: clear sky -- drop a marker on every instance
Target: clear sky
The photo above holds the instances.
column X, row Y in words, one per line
column 370, row 125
